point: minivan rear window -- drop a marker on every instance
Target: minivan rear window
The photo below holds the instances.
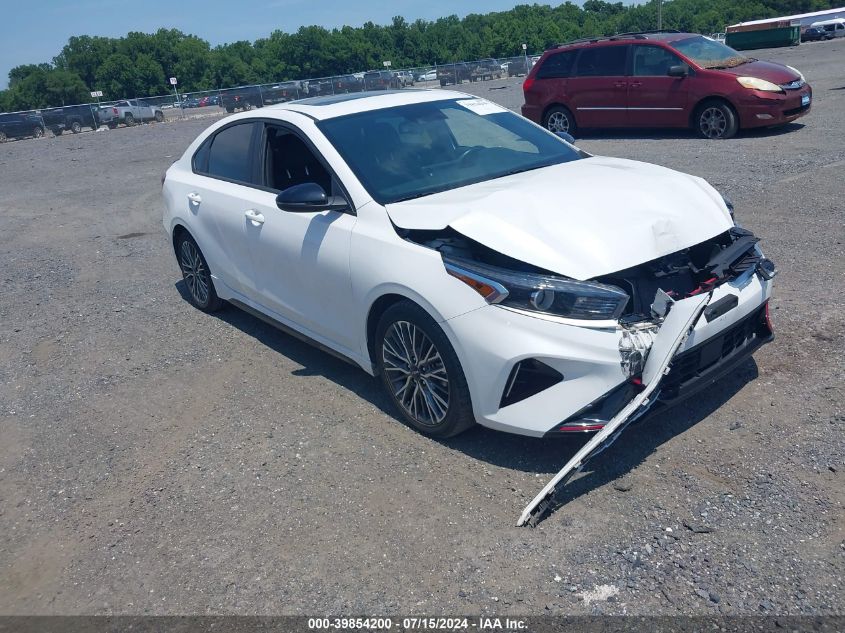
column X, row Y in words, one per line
column 602, row 61
column 557, row 65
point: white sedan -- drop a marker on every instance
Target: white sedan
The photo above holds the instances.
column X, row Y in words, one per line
column 484, row 268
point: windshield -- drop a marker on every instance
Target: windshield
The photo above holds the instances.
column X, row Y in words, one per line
column 423, row 148
column 708, row 53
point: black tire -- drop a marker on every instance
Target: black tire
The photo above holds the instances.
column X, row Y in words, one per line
column 159, row 116
column 230, row 109
column 113, row 126
column 560, row 119
column 715, row 119
column 129, row 120
column 57, row 131
column 38, row 132
column 76, row 127
column 431, row 388
column 2, row 136
column 196, row 274
column 247, row 106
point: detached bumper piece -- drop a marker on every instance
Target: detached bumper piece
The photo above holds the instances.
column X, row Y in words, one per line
column 690, row 372
column 674, row 331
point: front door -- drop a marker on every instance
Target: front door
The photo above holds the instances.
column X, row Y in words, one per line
column 301, row 259
column 599, row 87
column 654, row 98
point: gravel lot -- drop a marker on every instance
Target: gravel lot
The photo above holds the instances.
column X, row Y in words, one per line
column 154, row 459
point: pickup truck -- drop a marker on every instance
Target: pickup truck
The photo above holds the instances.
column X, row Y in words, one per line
column 129, row 112
column 20, row 126
column 70, row 119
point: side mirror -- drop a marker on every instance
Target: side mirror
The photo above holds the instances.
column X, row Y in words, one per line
column 678, row 71
column 566, row 136
column 307, row 197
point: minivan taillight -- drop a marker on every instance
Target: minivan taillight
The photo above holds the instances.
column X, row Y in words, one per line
column 527, row 84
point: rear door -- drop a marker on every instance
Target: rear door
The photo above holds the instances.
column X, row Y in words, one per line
column 599, row 87
column 654, row 98
column 220, row 191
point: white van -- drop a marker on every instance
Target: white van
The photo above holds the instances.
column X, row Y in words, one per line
column 835, row 26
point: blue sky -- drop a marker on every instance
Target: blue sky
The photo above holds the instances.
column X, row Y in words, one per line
column 36, row 31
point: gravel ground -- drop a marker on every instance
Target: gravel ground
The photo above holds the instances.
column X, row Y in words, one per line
column 154, row 459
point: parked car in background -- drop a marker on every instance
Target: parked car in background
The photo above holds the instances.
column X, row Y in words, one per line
column 70, row 119
column 816, row 34
column 718, row 37
column 381, row 80
column 836, row 26
column 671, row 80
column 406, row 78
column 129, row 112
column 347, row 83
column 453, row 74
column 518, row 67
column 20, row 126
column 485, row 270
column 485, row 69
column 245, row 98
column 429, row 75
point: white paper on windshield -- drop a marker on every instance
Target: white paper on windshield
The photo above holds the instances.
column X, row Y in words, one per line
column 481, row 106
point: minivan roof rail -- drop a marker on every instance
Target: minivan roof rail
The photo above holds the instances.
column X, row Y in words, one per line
column 635, row 35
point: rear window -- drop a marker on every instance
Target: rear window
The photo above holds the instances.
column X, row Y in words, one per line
column 602, row 61
column 228, row 156
column 557, row 65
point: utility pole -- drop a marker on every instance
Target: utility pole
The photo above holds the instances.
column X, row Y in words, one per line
column 659, row 15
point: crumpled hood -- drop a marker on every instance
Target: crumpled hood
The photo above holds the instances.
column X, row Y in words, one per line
column 581, row 219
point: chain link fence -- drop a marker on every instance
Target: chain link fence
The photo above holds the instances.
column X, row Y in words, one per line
column 73, row 119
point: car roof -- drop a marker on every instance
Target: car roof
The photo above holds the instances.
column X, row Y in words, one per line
column 331, row 106
column 626, row 38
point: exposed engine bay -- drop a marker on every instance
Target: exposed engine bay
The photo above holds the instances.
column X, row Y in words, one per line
column 679, row 275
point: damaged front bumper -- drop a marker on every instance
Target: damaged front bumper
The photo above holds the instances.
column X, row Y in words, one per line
column 692, row 371
column 535, row 375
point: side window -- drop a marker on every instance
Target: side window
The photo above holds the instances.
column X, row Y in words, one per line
column 557, row 65
column 602, row 61
column 288, row 161
column 653, row 61
column 228, row 156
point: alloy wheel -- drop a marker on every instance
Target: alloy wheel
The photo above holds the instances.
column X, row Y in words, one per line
column 416, row 373
column 713, row 122
column 194, row 272
column 558, row 122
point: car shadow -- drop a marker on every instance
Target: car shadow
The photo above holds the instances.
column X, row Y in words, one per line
column 678, row 133
column 506, row 450
column 314, row 361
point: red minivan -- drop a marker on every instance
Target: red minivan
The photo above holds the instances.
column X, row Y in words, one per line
column 661, row 79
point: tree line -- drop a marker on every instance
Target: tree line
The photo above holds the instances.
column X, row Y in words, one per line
column 138, row 64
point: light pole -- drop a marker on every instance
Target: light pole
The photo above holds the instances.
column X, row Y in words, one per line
column 659, row 15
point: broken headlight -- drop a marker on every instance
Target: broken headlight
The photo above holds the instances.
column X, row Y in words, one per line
column 535, row 292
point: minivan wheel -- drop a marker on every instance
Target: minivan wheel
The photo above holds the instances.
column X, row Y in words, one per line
column 76, row 127
column 197, row 275
column 421, row 372
column 716, row 120
column 38, row 132
column 559, row 119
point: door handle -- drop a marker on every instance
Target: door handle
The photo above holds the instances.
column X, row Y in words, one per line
column 195, row 197
column 620, row 84
column 254, row 216
column 636, row 84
